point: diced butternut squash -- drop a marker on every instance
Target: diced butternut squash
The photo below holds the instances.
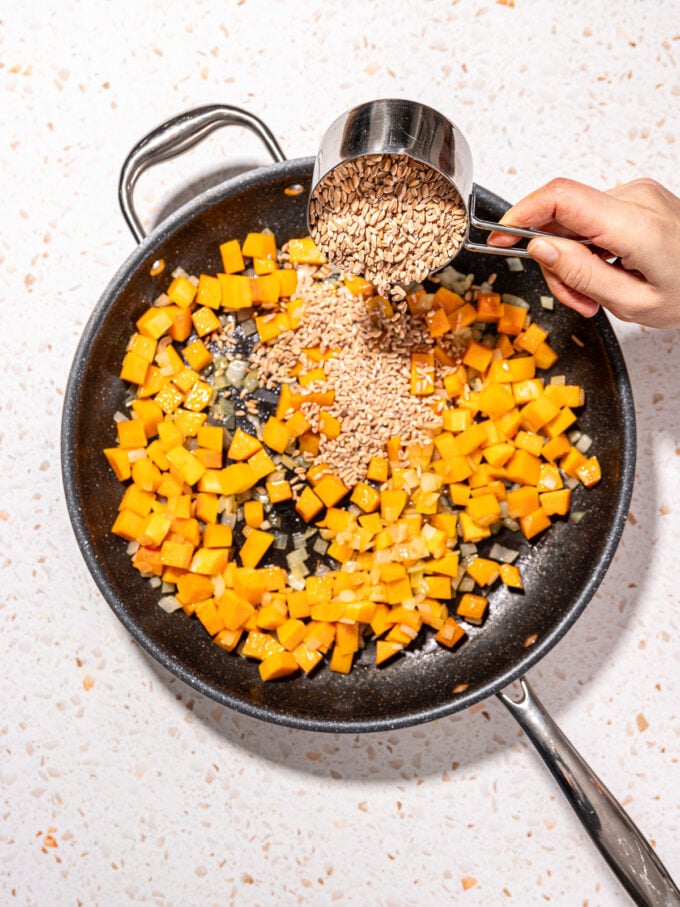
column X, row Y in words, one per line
column 450, row 633
column 501, row 448
column 472, row 608
column 232, row 257
column 255, row 547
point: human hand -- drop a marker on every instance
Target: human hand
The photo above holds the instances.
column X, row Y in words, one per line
column 638, row 223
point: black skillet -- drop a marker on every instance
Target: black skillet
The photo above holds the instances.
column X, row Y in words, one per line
column 561, row 570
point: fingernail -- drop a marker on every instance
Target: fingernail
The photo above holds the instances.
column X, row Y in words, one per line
column 543, row 252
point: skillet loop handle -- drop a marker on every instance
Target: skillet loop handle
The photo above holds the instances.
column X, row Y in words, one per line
column 618, row 839
column 176, row 136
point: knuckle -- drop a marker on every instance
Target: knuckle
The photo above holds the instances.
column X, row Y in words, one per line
column 646, row 183
column 560, row 186
column 577, row 273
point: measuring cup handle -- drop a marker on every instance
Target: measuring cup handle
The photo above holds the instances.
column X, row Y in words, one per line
column 176, row 136
column 492, row 226
column 618, row 839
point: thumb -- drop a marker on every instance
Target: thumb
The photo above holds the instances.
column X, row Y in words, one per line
column 581, row 279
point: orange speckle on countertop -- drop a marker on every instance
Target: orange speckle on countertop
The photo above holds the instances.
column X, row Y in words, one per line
column 49, row 841
column 88, row 683
column 642, row 723
column 468, row 882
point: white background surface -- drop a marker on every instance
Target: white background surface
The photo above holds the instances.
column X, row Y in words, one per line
column 151, row 794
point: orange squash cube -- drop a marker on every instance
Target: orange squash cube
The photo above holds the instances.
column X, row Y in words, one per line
column 510, row 576
column 330, row 489
column 304, row 251
column 209, row 292
column 232, row 257
column 448, row 300
column 589, row 473
column 255, row 547
column 450, row 633
column 217, row 535
column 472, row 608
column 308, row 505
column 366, row 497
column 278, row 665
column 236, row 478
column 259, row 245
column 243, row 445
column 154, row 322
column 181, row 291
column 556, row 502
column 275, row 434
column 533, row 523
column 205, row 321
column 279, row 491
column 197, row 355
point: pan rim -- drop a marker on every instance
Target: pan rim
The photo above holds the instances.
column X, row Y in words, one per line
column 192, row 677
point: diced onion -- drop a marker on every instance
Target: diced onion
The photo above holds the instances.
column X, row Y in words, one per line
column 503, row 554
column 320, row 546
column 467, row 584
column 300, row 571
column 511, row 299
column 296, row 556
column 514, row 263
column 296, row 582
column 169, row 603
column 280, row 541
column 236, row 372
column 251, row 382
column 455, row 280
column 583, row 443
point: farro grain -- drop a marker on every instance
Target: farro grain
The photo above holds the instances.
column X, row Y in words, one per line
column 388, row 217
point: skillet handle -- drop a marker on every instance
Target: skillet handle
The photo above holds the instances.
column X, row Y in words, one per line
column 176, row 136
column 618, row 839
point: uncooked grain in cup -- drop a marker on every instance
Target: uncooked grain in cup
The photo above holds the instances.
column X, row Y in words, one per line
column 389, row 218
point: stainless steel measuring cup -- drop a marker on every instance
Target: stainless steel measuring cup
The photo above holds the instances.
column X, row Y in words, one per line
column 397, row 126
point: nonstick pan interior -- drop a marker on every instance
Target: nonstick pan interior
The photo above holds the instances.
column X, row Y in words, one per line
column 561, row 569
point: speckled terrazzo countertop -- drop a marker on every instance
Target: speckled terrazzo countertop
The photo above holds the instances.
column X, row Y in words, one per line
column 117, row 783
